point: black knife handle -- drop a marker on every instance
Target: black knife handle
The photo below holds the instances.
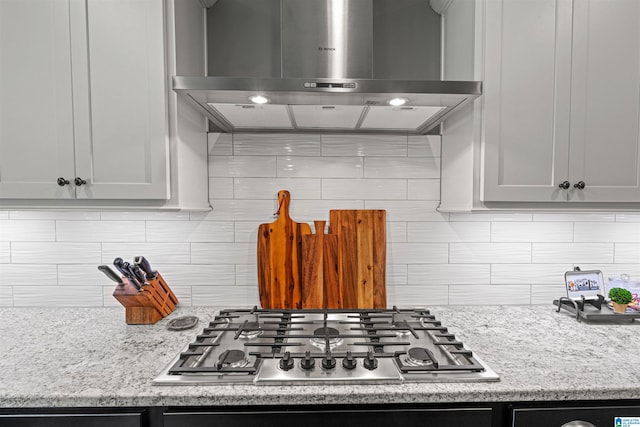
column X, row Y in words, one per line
column 137, row 273
column 110, row 273
column 119, row 264
column 143, row 263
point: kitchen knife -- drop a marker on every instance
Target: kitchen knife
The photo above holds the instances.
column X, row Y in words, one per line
column 123, row 267
column 110, row 274
column 137, row 273
column 143, row 263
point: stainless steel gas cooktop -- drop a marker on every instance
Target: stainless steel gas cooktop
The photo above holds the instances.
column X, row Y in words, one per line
column 280, row 347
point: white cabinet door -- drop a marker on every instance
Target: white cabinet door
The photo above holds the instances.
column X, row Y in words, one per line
column 36, row 111
column 605, row 101
column 526, row 99
column 119, row 98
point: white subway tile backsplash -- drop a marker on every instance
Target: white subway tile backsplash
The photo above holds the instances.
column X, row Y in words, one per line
column 408, row 210
column 209, row 258
column 489, row 253
column 220, row 144
column 424, row 146
column 449, row 274
column 57, row 296
column 576, row 253
column 28, row 275
column 364, row 145
column 5, row 253
column 528, row 274
column 55, row 253
column 320, row 167
column 532, row 232
column 368, row 188
column 27, row 231
column 417, row 296
column 223, row 253
column 423, row 189
column 6, row 296
column 607, row 232
column 100, row 231
column 156, row 253
column 242, row 166
column 626, row 253
column 416, row 253
column 226, row 296
column 402, row 167
column 489, row 294
column 55, row 214
column 264, row 188
column 276, row 144
column 574, row 217
column 190, row 231
column 448, row 232
column 221, row 188
column 545, row 294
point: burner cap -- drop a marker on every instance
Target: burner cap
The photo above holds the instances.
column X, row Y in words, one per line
column 250, row 330
column 326, row 331
column 232, row 358
column 419, row 354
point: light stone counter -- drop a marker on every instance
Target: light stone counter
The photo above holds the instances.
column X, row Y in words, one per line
column 90, row 357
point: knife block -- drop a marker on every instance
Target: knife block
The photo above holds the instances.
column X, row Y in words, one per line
column 145, row 307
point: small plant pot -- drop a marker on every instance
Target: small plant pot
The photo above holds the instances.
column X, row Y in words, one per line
column 619, row 308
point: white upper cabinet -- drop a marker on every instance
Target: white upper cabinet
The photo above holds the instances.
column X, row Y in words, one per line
column 560, row 104
column 562, row 101
column 83, row 95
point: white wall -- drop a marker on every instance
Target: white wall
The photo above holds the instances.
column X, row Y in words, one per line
column 49, row 258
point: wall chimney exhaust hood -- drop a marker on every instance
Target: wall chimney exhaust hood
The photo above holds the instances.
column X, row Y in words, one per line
column 348, row 66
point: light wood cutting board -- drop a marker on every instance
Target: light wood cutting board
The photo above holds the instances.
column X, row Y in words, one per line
column 279, row 258
column 362, row 252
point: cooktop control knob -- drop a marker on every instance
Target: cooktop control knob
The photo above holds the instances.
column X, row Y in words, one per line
column 328, row 362
column 370, row 362
column 286, row 362
column 308, row 362
column 349, row 362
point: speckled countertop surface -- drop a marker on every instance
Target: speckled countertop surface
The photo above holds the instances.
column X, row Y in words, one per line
column 90, row 357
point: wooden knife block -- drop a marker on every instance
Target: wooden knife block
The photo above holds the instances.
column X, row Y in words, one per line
column 145, row 307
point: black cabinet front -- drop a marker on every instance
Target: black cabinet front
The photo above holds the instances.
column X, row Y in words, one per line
column 599, row 416
column 328, row 416
column 53, row 419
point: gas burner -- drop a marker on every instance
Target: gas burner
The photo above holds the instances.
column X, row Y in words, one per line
column 400, row 328
column 320, row 338
column 232, row 359
column 250, row 330
column 420, row 357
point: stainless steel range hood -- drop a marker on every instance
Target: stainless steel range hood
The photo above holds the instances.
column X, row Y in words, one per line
column 324, row 65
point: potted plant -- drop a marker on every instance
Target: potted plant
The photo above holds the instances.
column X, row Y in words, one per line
column 620, row 298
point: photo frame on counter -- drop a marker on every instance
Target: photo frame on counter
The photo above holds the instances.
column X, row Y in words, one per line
column 585, row 285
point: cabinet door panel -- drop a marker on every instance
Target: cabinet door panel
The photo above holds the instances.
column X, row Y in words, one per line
column 119, row 74
column 605, row 104
column 36, row 118
column 526, row 99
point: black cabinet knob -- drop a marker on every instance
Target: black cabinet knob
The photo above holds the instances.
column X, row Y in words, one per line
column 79, row 181
column 579, row 185
column 62, row 182
column 286, row 363
column 308, row 362
column 564, row 185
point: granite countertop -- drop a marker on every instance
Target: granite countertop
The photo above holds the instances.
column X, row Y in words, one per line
column 77, row 357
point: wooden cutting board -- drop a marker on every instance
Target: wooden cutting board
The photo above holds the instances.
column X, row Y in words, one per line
column 279, row 258
column 362, row 252
column 320, row 269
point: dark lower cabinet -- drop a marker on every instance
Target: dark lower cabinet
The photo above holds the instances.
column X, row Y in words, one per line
column 558, row 416
column 332, row 416
column 58, row 418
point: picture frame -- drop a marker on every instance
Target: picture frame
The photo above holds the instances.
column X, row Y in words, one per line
column 584, row 284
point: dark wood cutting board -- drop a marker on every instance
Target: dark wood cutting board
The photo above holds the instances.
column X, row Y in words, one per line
column 362, row 252
column 279, row 258
column 320, row 269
